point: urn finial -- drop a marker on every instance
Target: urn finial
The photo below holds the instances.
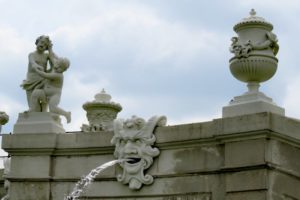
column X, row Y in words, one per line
column 102, row 96
column 252, row 12
column 254, row 61
column 100, row 113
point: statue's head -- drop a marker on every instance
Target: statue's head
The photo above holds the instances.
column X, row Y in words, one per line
column 61, row 64
column 133, row 139
column 42, row 43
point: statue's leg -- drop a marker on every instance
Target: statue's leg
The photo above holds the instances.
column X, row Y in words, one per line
column 28, row 95
column 42, row 100
column 53, row 107
column 37, row 98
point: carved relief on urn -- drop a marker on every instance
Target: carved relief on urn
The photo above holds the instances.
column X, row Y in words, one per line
column 133, row 140
column 254, row 50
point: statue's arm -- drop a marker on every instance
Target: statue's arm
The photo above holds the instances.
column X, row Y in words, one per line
column 48, row 75
column 52, row 56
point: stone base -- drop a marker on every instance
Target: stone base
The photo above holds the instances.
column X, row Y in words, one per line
column 38, row 122
column 250, row 103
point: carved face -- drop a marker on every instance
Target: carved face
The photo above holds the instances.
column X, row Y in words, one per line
column 42, row 44
column 138, row 151
column 133, row 139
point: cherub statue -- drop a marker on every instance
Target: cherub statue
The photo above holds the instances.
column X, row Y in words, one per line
column 51, row 92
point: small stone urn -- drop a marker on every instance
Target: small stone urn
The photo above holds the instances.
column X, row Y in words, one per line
column 255, row 48
column 100, row 113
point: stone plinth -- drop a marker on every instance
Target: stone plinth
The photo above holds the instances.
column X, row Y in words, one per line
column 38, row 122
column 250, row 103
column 244, row 157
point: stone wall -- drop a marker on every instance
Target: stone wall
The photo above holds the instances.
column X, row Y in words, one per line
column 246, row 157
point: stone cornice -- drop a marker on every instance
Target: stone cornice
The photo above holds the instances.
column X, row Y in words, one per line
column 218, row 131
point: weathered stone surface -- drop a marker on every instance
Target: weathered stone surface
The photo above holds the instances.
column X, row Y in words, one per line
column 284, row 186
column 30, row 167
column 38, row 122
column 67, row 167
column 249, row 195
column 245, row 153
column 29, row 190
column 247, row 180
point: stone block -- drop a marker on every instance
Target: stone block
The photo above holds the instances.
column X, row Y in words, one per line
column 286, row 126
column 84, row 140
column 285, row 155
column 251, row 107
column 38, row 122
column 184, row 132
column 18, row 143
column 246, row 123
column 66, row 167
column 284, row 185
column 29, row 191
column 247, row 180
column 250, row 195
column 188, row 160
column 245, row 153
column 170, row 186
column 30, row 167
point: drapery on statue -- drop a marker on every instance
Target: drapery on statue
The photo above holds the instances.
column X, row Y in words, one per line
column 44, row 83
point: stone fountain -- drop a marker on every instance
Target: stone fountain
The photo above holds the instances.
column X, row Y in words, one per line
column 250, row 153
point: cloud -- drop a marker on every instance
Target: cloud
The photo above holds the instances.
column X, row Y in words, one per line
column 12, row 44
column 140, row 34
column 271, row 5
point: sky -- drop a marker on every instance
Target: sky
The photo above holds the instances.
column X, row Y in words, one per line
column 154, row 57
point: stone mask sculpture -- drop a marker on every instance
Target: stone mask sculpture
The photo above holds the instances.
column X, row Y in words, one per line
column 133, row 139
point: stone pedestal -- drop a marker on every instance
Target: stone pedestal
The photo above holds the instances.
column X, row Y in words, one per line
column 250, row 103
column 38, row 122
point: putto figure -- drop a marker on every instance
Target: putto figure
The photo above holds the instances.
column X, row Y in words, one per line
column 51, row 92
column 133, row 139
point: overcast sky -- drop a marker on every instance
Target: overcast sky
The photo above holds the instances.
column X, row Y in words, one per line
column 155, row 57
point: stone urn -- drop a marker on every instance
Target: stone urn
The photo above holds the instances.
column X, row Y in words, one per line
column 100, row 113
column 254, row 61
column 254, row 51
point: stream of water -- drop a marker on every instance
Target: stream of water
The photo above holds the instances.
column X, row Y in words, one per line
column 88, row 179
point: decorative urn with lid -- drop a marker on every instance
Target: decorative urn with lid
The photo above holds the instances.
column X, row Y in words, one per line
column 254, row 50
column 100, row 113
column 254, row 61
